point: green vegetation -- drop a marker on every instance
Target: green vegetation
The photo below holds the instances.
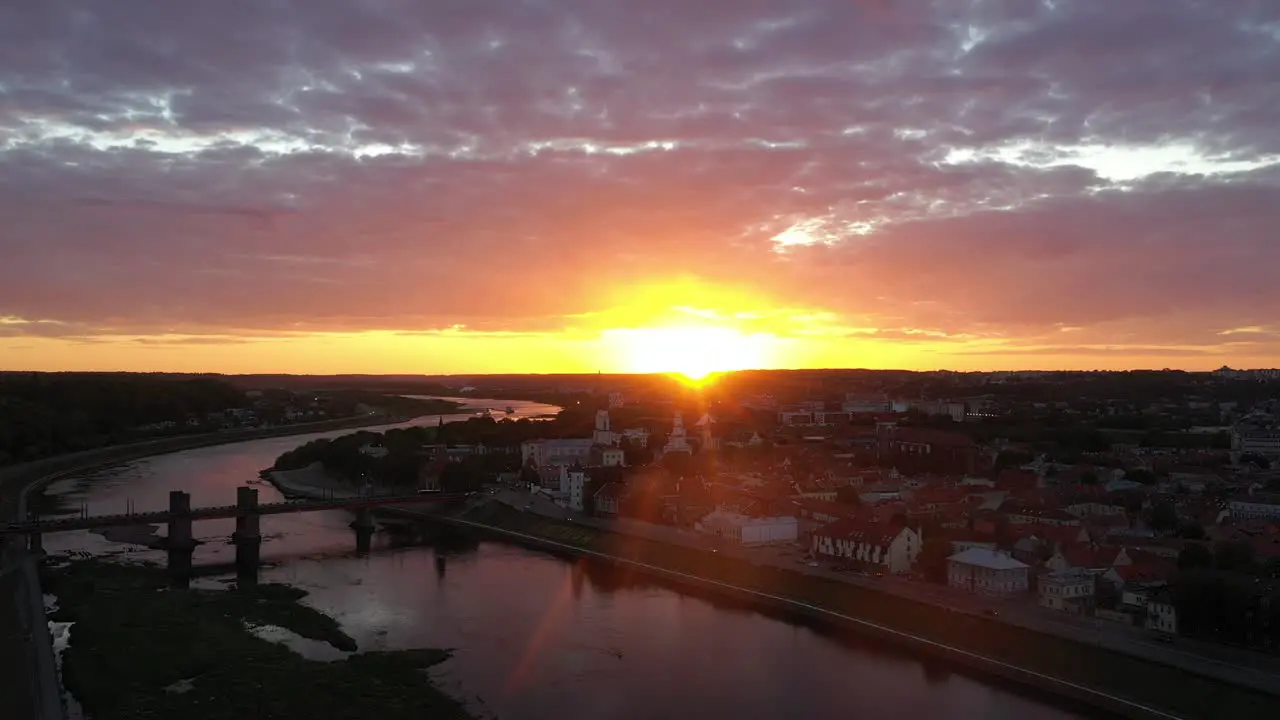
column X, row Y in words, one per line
column 1176, row 691
column 45, row 414
column 135, row 642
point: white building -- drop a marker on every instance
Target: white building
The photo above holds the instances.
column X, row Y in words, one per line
column 1162, row 616
column 638, row 435
column 1262, row 442
column 373, row 451
column 610, row 457
column 1255, row 507
column 1071, row 590
column 577, row 481
column 603, row 434
column 749, row 531
column 616, row 400
column 548, row 453
column 876, row 544
column 677, row 441
column 985, row 571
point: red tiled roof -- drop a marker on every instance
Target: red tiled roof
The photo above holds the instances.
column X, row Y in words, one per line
column 1145, row 572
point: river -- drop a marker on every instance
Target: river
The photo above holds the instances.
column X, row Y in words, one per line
column 537, row 636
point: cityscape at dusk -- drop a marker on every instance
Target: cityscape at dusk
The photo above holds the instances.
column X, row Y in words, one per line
column 623, row 360
column 511, row 186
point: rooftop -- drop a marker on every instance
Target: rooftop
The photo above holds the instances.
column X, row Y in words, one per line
column 990, row 559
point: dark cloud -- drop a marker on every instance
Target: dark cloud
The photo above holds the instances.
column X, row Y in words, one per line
column 995, row 167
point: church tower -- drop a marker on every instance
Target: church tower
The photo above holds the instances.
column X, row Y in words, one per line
column 603, row 434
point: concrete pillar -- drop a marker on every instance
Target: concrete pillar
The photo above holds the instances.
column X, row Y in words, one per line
column 364, row 527
column 35, row 545
column 248, row 535
column 181, row 543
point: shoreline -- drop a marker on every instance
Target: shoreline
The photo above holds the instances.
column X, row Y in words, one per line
column 40, row 688
column 1060, row 688
column 1079, row 673
column 138, row 648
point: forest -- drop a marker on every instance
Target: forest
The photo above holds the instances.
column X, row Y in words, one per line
column 45, row 414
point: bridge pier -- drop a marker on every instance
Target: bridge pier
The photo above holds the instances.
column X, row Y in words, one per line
column 248, row 535
column 364, row 527
column 35, row 545
column 181, row 542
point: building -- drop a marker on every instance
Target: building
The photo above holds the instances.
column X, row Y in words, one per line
column 603, row 434
column 677, row 441
column 795, row 416
column 1262, row 442
column 880, row 545
column 988, row 572
column 549, row 453
column 605, row 456
column 1069, row 591
column 747, row 530
column 577, row 481
column 607, row 499
column 855, row 404
column 616, row 400
column 373, row 451
column 1162, row 616
column 1247, row 508
column 638, row 436
column 924, row 449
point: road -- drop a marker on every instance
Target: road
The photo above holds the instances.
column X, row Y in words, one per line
column 1233, row 665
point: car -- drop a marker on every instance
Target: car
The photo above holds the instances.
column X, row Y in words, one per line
column 813, row 564
column 992, row 613
column 1162, row 638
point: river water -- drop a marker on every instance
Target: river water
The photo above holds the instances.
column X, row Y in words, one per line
column 537, row 636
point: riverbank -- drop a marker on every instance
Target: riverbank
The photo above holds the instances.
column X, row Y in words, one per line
column 18, row 483
column 1112, row 682
column 139, row 649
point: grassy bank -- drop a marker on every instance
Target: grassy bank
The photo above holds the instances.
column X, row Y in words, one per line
column 141, row 650
column 1175, row 691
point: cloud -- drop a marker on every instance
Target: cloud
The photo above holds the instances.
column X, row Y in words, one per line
column 997, row 168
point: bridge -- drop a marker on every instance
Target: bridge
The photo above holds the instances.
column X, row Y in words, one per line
column 247, row 538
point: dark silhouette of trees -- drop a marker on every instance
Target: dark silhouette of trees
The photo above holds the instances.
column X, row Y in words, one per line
column 45, row 414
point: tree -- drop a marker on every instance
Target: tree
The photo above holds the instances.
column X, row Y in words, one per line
column 1106, row 593
column 933, row 559
column 848, row 495
column 1163, row 517
column 1195, row 556
column 1191, row 531
column 1088, row 477
column 1235, row 557
column 1140, row 475
column 1260, row 460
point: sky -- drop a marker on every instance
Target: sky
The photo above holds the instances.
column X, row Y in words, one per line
column 465, row 186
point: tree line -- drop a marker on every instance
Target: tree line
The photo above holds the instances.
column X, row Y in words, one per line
column 44, row 414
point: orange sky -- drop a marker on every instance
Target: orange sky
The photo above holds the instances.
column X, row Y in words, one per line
column 643, row 332
column 425, row 187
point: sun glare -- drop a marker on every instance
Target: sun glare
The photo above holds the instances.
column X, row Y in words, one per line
column 692, row 352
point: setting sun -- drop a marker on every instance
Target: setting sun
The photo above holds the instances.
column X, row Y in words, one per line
column 694, row 352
